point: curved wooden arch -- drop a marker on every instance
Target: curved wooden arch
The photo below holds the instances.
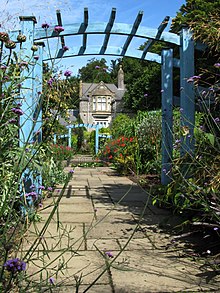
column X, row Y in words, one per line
column 186, row 64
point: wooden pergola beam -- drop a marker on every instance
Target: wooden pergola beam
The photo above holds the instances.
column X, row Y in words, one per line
column 133, row 32
column 161, row 28
column 108, row 30
column 83, row 27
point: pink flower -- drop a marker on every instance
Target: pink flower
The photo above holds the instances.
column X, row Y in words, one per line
column 58, row 29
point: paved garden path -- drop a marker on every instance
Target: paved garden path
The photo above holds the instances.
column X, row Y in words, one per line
column 107, row 219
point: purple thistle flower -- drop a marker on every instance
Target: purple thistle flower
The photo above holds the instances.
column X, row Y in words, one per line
column 58, row 29
column 65, row 48
column 15, row 265
column 45, row 25
column 67, row 73
column 17, row 111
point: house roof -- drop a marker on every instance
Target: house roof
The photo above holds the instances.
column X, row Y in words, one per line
column 88, row 88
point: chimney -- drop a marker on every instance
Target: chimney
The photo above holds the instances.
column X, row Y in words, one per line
column 80, row 89
column 121, row 85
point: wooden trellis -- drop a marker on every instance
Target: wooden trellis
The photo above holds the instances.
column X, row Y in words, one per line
column 32, row 87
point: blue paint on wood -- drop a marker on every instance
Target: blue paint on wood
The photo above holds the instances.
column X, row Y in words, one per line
column 167, row 116
column 187, row 95
column 69, row 137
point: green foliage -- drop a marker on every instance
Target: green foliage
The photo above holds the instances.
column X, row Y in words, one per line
column 203, row 18
column 95, row 71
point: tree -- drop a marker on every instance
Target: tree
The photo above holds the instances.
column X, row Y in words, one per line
column 203, row 17
column 95, row 71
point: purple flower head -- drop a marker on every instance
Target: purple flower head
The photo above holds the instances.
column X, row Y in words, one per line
column 145, row 95
column 40, row 205
column 215, row 228
column 65, row 48
column 217, row 65
column 12, row 121
column 17, row 111
column 3, row 67
column 51, row 281
column 217, row 120
column 71, row 171
column 15, row 265
column 19, row 104
column 164, row 170
column 193, row 78
column 97, row 67
column 49, row 188
column 50, row 82
column 105, row 69
column 41, row 187
column 32, row 194
column 45, row 25
column 162, row 91
column 36, row 57
column 181, row 110
column 32, row 186
column 67, row 73
column 58, row 29
column 109, row 254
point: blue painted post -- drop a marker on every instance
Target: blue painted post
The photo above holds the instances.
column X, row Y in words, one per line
column 37, row 92
column 69, row 136
column 167, row 116
column 187, row 95
column 96, row 139
column 26, row 91
column 26, row 99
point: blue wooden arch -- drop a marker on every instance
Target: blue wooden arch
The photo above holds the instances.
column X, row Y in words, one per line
column 31, row 87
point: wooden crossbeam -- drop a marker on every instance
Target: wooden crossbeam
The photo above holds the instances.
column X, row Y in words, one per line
column 161, row 28
column 108, row 30
column 83, row 29
column 133, row 32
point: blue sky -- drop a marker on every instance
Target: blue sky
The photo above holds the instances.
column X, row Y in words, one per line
column 99, row 11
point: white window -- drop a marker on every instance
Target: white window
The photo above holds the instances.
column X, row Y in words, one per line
column 101, row 104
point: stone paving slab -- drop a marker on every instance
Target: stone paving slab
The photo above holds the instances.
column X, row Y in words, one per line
column 89, row 221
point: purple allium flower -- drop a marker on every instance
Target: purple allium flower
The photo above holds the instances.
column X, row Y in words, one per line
column 109, row 254
column 45, row 25
column 51, row 281
column 71, row 171
column 217, row 65
column 67, row 73
column 58, row 29
column 41, row 187
column 65, row 48
column 49, row 188
column 15, row 265
column 17, row 111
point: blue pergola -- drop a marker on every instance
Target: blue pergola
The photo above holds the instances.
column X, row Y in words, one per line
column 32, row 84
